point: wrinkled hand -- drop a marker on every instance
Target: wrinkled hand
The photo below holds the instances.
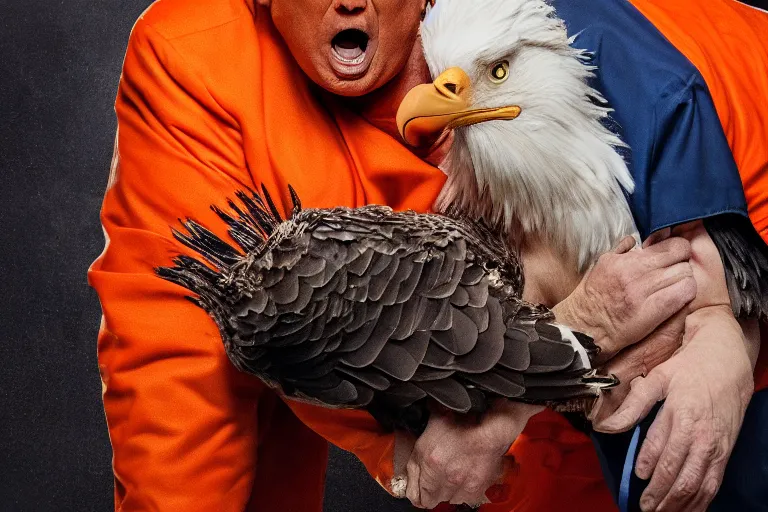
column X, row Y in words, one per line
column 637, row 361
column 707, row 386
column 457, row 460
column 628, row 294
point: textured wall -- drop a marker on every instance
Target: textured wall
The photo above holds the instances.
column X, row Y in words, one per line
column 59, row 67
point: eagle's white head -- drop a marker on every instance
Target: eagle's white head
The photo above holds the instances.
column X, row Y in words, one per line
column 530, row 152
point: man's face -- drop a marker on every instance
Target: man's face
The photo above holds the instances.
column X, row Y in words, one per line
column 348, row 47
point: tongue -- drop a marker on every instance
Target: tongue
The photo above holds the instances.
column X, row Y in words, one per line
column 347, row 49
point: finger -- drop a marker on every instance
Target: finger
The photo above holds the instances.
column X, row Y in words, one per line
column 428, row 490
column 413, row 487
column 665, row 277
column 644, row 393
column 639, row 359
column 627, row 365
column 609, row 400
column 429, row 498
column 604, row 406
column 664, row 303
column 625, row 245
column 472, row 492
column 668, row 252
column 431, row 480
column 688, row 483
column 662, row 344
column 455, row 476
column 653, row 445
column 670, row 462
column 658, row 236
column 481, row 479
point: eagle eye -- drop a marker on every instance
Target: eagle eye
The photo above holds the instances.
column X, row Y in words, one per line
column 499, row 72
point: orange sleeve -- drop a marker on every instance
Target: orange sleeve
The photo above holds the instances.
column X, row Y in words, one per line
column 183, row 423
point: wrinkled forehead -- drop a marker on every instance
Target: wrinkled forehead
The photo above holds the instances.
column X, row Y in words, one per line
column 472, row 33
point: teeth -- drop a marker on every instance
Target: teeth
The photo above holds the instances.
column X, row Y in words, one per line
column 357, row 60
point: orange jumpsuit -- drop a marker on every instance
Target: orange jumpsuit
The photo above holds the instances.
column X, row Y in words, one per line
column 209, row 102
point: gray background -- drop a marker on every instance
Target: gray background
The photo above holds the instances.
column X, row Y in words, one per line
column 59, row 68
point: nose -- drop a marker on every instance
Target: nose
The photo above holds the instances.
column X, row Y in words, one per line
column 453, row 83
column 349, row 7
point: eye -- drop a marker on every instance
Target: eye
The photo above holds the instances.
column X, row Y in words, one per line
column 499, row 72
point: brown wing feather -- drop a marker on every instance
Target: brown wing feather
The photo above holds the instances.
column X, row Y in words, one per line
column 362, row 307
column 745, row 259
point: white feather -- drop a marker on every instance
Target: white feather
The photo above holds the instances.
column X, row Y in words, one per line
column 553, row 172
column 568, row 335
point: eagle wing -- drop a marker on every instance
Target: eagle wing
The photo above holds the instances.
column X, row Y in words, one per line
column 745, row 260
column 386, row 311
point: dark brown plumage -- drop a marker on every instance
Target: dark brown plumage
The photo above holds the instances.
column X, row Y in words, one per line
column 369, row 308
column 745, row 261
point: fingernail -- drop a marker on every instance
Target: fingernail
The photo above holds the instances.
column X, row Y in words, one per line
column 641, row 470
column 647, row 503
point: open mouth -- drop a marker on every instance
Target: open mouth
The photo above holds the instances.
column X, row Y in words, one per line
column 349, row 53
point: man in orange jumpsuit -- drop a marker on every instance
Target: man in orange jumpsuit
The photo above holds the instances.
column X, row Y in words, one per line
column 213, row 98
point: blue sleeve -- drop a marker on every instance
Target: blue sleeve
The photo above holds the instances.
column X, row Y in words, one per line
column 684, row 170
column 679, row 155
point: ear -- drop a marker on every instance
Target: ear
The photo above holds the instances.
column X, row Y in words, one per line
column 264, row 3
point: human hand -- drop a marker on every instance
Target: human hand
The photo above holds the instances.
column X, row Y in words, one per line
column 628, row 294
column 637, row 361
column 707, row 386
column 456, row 461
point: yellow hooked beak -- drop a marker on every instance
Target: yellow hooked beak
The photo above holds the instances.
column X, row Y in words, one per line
column 429, row 109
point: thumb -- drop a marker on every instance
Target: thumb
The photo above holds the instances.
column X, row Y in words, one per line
column 403, row 452
column 625, row 245
column 643, row 395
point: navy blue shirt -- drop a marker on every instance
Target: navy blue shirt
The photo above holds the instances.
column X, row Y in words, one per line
column 680, row 159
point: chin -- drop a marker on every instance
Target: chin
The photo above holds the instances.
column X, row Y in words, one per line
column 350, row 88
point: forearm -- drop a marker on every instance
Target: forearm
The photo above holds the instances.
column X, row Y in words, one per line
column 712, row 298
column 711, row 309
column 738, row 342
